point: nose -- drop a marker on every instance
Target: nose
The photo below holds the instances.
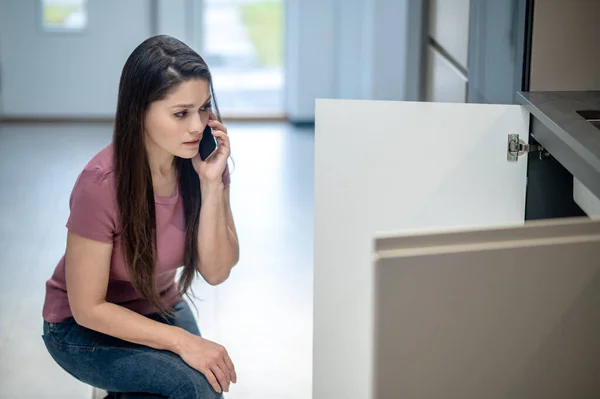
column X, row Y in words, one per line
column 196, row 124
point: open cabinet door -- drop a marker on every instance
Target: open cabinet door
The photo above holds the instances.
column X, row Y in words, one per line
column 502, row 313
column 404, row 166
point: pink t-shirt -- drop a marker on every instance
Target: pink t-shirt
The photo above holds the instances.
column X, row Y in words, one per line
column 94, row 214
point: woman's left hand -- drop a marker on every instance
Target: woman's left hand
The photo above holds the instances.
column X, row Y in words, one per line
column 212, row 169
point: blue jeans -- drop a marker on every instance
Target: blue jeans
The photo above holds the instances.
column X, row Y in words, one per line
column 124, row 369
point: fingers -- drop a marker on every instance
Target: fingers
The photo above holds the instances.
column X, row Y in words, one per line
column 213, row 361
column 222, row 138
column 221, row 373
column 229, row 364
column 212, row 380
column 227, row 371
column 218, row 129
column 220, row 134
column 226, row 365
column 216, row 125
column 221, row 377
column 220, row 362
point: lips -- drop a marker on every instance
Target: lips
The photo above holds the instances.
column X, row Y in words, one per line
column 192, row 142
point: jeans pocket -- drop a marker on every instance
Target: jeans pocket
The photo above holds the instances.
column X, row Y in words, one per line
column 70, row 336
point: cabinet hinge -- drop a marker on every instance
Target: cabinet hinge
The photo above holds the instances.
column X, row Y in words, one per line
column 517, row 147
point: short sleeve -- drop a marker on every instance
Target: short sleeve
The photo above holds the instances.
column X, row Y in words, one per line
column 226, row 177
column 92, row 206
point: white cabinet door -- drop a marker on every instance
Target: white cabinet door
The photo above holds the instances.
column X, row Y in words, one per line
column 399, row 166
column 494, row 313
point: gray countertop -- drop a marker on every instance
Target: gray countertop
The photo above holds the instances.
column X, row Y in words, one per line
column 572, row 140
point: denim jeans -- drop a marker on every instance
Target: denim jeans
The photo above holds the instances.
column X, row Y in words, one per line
column 124, row 369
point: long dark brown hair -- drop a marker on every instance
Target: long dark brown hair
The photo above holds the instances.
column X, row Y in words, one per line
column 152, row 71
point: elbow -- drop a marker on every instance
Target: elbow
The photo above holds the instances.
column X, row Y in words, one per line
column 215, row 279
column 84, row 316
column 216, row 272
column 81, row 317
column 217, row 275
column 234, row 260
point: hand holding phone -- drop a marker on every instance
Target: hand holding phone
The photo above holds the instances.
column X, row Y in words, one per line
column 208, row 144
column 213, row 151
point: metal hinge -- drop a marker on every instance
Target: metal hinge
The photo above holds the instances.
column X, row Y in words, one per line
column 517, row 147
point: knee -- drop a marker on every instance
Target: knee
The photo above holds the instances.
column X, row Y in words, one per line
column 195, row 385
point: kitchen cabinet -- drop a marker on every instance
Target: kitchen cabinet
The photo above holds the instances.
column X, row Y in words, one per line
column 568, row 184
column 515, row 46
column 444, row 265
column 420, row 173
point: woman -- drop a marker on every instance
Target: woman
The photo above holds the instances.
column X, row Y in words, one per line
column 114, row 317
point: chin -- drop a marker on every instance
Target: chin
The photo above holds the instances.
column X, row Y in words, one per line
column 189, row 154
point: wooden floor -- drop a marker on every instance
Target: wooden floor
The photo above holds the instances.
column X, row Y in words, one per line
column 262, row 314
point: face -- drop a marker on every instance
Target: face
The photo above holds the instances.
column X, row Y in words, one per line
column 174, row 125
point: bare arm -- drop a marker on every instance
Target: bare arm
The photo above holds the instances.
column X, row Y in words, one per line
column 87, row 272
column 217, row 236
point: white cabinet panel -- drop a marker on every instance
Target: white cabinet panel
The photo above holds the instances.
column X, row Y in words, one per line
column 449, row 26
column 445, row 83
column 405, row 166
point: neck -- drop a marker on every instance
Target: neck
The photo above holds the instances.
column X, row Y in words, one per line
column 161, row 163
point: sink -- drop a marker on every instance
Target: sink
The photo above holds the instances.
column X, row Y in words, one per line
column 591, row 116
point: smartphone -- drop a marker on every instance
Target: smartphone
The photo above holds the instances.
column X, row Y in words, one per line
column 208, row 145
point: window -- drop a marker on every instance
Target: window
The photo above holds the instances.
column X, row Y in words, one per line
column 64, row 15
column 243, row 46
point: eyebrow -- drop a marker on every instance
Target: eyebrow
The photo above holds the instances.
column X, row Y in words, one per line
column 191, row 105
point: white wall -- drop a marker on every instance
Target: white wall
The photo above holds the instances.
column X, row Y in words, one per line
column 565, row 58
column 386, row 49
column 1, row 82
column 356, row 49
column 60, row 74
column 180, row 19
column 310, row 55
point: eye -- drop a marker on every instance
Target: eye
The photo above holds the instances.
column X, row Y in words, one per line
column 206, row 107
column 181, row 114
